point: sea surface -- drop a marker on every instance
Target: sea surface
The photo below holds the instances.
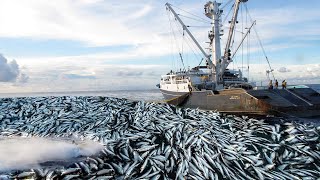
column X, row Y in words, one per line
column 315, row 87
column 137, row 95
column 152, row 95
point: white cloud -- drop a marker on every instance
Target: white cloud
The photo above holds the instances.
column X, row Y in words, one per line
column 283, row 70
column 142, row 26
column 101, row 23
column 60, row 74
column 67, row 74
column 141, row 12
column 10, row 71
column 294, row 74
column 292, row 23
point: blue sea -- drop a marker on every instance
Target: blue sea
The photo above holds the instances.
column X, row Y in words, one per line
column 315, row 87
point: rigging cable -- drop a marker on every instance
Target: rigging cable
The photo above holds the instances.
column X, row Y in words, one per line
column 248, row 49
column 191, row 13
column 199, row 19
column 259, row 40
column 197, row 26
column 241, row 7
column 233, row 36
column 182, row 50
column 226, row 4
column 178, row 26
column 200, row 62
column 203, row 21
column 224, row 21
column 228, row 27
column 174, row 35
column 196, row 55
column 226, row 17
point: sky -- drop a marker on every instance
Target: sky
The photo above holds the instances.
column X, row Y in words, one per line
column 94, row 45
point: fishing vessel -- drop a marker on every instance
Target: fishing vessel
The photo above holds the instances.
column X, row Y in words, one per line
column 214, row 86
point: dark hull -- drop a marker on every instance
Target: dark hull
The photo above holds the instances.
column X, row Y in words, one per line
column 303, row 102
column 168, row 95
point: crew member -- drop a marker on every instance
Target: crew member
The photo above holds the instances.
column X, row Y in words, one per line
column 276, row 84
column 284, row 84
column 270, row 85
column 190, row 87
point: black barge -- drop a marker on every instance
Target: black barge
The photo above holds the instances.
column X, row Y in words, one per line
column 299, row 102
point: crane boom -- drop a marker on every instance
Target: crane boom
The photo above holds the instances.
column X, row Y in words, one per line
column 188, row 31
column 226, row 60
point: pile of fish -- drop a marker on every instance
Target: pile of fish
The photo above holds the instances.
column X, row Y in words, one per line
column 158, row 141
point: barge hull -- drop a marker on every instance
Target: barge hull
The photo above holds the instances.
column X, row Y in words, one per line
column 302, row 102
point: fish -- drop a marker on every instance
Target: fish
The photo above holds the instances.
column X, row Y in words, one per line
column 147, row 140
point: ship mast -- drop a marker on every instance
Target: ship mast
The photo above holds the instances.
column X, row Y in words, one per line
column 213, row 12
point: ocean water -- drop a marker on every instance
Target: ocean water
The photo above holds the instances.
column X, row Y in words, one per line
column 153, row 95
column 315, row 87
column 137, row 95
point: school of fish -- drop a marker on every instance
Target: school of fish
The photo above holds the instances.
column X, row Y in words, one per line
column 146, row 140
